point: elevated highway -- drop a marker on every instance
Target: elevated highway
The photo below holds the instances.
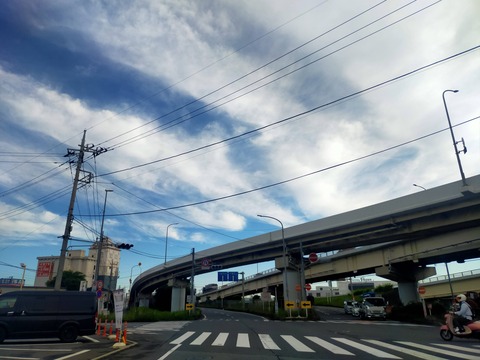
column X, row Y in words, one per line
column 445, row 219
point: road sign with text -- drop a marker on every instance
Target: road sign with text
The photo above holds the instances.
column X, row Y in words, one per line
column 228, row 276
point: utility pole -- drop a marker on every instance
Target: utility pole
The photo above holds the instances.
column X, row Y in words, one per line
column 68, row 224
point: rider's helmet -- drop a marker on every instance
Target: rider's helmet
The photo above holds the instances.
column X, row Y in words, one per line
column 461, row 297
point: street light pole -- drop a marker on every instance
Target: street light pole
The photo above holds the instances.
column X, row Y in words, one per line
column 453, row 137
column 100, row 244
column 166, row 241
column 131, row 272
column 24, row 267
column 285, row 277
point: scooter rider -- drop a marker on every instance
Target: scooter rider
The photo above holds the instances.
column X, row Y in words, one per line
column 464, row 315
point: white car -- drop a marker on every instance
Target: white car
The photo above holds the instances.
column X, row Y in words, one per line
column 373, row 307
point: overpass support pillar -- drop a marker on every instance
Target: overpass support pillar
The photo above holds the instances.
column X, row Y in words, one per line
column 290, row 279
column 407, row 276
column 179, row 294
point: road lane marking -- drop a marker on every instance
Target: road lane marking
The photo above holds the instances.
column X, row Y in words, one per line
column 199, row 340
column 267, row 342
column 91, row 339
column 459, row 348
column 296, row 344
column 243, row 341
column 182, row 338
column 442, row 351
column 328, row 346
column 368, row 349
column 73, row 355
column 404, row 350
column 35, row 349
column 220, row 340
column 169, row 352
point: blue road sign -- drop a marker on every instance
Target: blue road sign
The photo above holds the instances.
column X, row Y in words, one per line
column 228, row 276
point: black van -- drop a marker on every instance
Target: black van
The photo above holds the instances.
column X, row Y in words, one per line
column 38, row 314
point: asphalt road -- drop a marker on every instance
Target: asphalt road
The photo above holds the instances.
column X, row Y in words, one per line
column 224, row 335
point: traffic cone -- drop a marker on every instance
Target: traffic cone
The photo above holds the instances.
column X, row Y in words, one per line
column 117, row 333
column 124, row 333
column 99, row 325
column 105, row 328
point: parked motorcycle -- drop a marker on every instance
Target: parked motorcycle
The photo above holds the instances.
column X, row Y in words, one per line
column 447, row 331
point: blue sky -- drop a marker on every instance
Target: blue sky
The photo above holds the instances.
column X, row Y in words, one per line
column 201, row 100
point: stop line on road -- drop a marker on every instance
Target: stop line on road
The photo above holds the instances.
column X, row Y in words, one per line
column 334, row 345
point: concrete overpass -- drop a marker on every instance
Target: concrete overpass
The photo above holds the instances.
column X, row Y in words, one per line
column 399, row 261
column 449, row 214
column 439, row 286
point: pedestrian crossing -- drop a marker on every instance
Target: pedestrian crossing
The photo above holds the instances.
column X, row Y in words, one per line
column 332, row 346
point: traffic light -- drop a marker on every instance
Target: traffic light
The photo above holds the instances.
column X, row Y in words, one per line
column 216, row 267
column 124, row 246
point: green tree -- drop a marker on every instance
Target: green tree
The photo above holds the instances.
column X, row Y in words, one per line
column 70, row 280
column 382, row 289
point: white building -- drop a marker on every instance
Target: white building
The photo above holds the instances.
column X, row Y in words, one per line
column 76, row 260
column 344, row 287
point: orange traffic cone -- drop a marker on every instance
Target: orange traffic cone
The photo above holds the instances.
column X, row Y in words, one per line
column 124, row 333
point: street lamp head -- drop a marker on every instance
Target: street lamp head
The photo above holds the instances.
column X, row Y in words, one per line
column 450, row 90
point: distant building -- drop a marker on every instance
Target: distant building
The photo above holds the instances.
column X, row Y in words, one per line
column 344, row 287
column 11, row 282
column 76, row 260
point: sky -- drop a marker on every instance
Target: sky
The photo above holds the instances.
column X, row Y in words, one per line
column 204, row 114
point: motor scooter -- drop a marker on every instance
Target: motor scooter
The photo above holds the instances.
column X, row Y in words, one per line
column 447, row 331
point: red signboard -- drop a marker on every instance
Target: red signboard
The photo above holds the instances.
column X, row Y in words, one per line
column 308, row 287
column 45, row 269
column 313, row 257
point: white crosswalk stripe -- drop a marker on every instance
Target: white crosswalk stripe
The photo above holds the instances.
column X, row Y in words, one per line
column 404, row 350
column 201, row 339
column 315, row 344
column 368, row 349
column 452, row 354
column 243, row 340
column 460, row 348
column 296, row 344
column 221, row 339
column 267, row 342
column 330, row 347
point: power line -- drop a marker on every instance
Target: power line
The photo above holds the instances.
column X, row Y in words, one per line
column 291, row 179
column 195, row 113
column 316, row 108
column 203, row 69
